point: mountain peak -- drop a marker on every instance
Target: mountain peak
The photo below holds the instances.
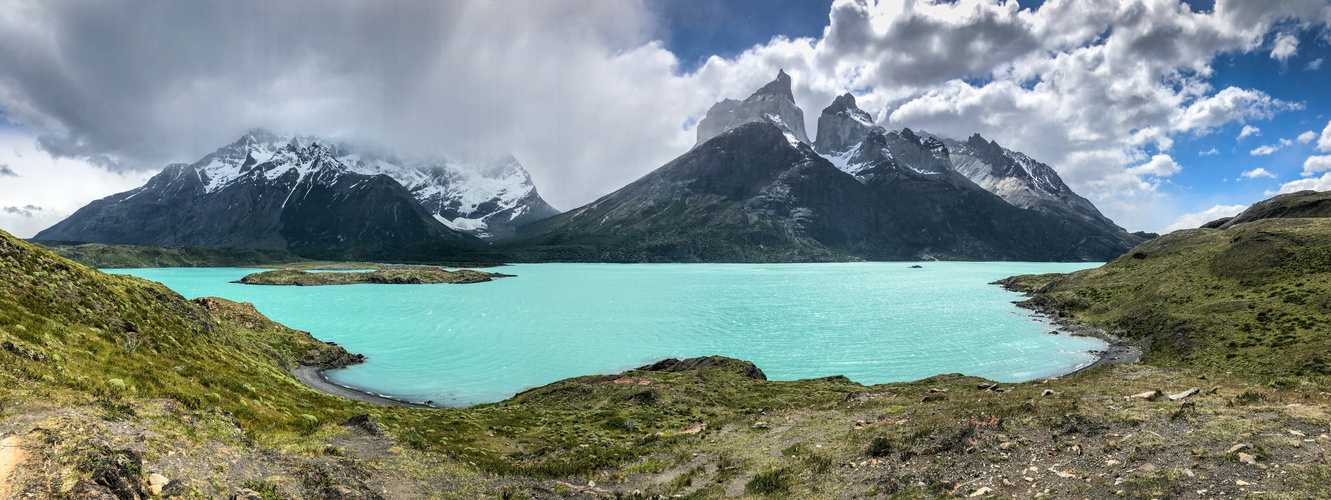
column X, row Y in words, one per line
column 842, row 126
column 780, row 86
column 774, row 103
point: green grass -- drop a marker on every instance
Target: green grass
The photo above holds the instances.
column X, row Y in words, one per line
column 1254, row 298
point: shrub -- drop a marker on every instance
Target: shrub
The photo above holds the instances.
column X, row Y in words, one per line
column 769, row 482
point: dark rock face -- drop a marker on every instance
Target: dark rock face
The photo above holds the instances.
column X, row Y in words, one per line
column 302, row 200
column 744, row 368
column 1299, row 205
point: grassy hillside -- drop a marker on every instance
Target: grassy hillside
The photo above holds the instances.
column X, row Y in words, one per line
column 1254, row 298
column 101, row 256
column 106, row 379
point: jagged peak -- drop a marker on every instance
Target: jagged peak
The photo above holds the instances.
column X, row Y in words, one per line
column 780, row 86
column 843, row 101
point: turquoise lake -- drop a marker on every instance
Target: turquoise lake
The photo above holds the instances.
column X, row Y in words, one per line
column 476, row 343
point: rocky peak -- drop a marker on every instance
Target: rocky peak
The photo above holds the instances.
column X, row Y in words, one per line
column 842, row 126
column 774, row 103
column 778, row 87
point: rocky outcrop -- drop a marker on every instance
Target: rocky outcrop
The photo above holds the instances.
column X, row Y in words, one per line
column 743, row 368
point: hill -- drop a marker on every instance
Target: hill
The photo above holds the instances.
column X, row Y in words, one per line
column 1250, row 295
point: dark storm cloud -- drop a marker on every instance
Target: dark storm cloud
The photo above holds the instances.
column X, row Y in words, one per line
column 132, row 84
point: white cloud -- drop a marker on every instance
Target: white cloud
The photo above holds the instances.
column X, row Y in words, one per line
column 1258, row 172
column 1315, row 164
column 1324, row 142
column 1267, row 149
column 1161, row 165
column 1286, row 45
column 1189, row 221
column 1322, row 183
column 36, row 199
column 1313, row 65
column 1210, row 152
column 1307, row 137
column 1249, row 130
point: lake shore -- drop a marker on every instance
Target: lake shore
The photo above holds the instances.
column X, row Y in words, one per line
column 314, row 378
column 1119, row 349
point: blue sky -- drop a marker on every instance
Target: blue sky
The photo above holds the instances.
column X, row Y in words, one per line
column 1139, row 104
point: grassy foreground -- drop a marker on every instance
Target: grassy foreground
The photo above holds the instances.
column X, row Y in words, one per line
column 106, row 380
column 385, row 276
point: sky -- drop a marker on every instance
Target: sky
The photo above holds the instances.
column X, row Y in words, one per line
column 1165, row 113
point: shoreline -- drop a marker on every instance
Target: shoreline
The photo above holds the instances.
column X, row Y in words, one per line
column 314, row 378
column 1118, row 350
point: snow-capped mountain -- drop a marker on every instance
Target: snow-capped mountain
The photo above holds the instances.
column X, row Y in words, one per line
column 271, row 191
column 774, row 103
column 849, row 139
column 486, row 199
column 255, row 194
column 1017, row 178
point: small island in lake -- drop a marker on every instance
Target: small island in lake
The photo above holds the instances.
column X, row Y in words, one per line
column 391, row 276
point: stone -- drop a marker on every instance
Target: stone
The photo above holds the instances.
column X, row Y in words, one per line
column 364, row 423
column 157, row 479
column 1188, row 393
column 1047, row 392
column 981, row 492
column 1238, row 447
column 1241, row 482
column 1143, row 395
column 246, row 494
column 155, row 489
column 1247, row 459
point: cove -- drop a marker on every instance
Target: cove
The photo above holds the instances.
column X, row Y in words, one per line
column 477, row 343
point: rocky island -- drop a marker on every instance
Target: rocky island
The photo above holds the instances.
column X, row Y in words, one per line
column 387, row 276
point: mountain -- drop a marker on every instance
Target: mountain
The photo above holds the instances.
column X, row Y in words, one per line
column 255, row 194
column 774, row 103
column 1020, row 180
column 745, row 195
column 301, row 194
column 849, row 139
column 756, row 192
column 487, row 199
